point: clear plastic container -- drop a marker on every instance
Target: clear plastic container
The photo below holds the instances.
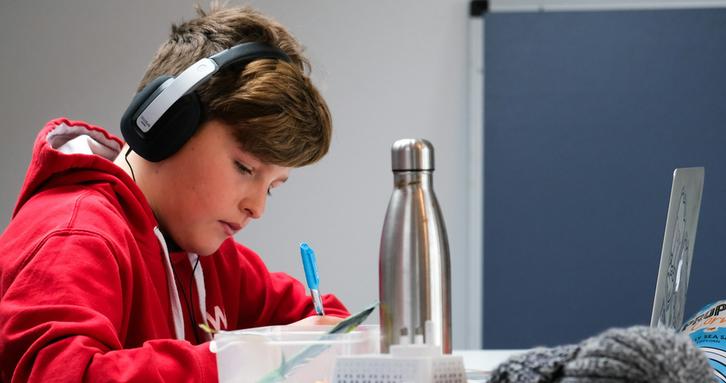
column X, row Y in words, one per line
column 288, row 353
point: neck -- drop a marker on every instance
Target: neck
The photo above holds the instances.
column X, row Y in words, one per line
column 170, row 243
column 132, row 164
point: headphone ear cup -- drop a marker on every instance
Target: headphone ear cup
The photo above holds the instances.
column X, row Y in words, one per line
column 170, row 132
column 175, row 127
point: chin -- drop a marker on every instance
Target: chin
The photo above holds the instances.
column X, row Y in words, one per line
column 204, row 248
column 207, row 250
column 201, row 242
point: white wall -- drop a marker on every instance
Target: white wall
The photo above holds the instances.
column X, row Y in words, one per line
column 388, row 70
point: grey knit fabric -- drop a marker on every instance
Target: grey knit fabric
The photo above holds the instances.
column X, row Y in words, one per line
column 636, row 354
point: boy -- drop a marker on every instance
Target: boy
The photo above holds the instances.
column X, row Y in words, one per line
column 116, row 252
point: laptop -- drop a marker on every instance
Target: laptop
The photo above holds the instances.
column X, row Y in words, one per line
column 677, row 253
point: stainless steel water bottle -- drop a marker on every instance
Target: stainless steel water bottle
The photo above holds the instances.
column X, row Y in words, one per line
column 414, row 266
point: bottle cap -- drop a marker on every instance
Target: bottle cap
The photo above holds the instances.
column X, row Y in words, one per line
column 412, row 154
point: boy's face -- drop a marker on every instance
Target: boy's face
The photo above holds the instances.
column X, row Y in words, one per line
column 210, row 189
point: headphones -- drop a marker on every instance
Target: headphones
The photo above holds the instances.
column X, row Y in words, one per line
column 167, row 112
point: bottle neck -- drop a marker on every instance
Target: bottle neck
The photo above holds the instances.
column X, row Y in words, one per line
column 403, row 178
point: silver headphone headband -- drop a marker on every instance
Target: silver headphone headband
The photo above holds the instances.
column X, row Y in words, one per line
column 186, row 82
column 201, row 70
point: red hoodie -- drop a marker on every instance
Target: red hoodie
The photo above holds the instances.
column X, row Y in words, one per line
column 88, row 292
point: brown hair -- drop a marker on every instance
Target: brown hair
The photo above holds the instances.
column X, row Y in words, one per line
column 275, row 111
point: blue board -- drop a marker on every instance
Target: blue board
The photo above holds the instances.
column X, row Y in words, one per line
column 586, row 116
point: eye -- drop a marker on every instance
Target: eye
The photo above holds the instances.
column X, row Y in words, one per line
column 269, row 192
column 242, row 168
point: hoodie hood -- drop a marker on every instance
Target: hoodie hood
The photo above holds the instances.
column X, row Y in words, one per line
column 67, row 151
column 70, row 152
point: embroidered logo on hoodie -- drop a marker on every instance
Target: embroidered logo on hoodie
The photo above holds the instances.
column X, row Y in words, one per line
column 219, row 321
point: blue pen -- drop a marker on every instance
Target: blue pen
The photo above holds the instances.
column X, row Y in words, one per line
column 311, row 276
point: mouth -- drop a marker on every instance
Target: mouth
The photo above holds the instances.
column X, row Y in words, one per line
column 230, row 228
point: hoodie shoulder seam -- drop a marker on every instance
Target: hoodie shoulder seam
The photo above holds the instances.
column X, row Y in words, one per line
column 76, row 205
column 67, row 232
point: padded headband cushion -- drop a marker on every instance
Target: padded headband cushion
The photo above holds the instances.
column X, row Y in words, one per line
column 244, row 53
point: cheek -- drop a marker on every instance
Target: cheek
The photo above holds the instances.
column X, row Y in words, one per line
column 193, row 193
column 203, row 190
column 216, row 189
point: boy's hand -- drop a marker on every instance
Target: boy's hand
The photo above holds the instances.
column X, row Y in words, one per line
column 317, row 320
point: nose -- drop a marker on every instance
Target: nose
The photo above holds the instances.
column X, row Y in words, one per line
column 253, row 203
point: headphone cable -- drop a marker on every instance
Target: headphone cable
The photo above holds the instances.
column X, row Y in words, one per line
column 188, row 300
column 195, row 327
column 126, row 157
